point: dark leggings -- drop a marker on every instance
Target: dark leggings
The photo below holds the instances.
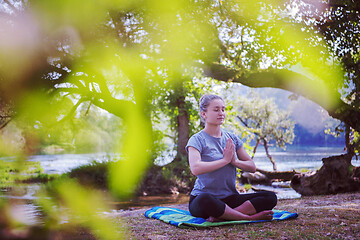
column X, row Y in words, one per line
column 206, row 205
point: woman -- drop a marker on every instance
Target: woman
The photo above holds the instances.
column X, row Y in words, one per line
column 214, row 155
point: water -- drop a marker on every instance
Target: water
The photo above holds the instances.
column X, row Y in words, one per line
column 150, row 201
column 293, row 158
column 62, row 163
column 298, row 158
column 21, row 203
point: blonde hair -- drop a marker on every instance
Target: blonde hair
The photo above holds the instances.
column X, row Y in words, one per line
column 204, row 102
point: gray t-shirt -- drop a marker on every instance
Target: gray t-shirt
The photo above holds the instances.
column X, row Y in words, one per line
column 221, row 182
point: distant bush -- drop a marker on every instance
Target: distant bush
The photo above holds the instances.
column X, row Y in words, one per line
column 94, row 174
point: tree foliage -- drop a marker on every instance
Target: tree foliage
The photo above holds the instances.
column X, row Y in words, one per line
column 338, row 23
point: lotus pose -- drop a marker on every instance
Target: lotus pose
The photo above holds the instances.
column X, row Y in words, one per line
column 214, row 156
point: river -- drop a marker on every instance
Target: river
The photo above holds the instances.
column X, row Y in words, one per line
column 304, row 157
column 298, row 157
column 294, row 157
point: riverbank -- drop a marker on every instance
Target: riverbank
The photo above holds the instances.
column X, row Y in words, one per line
column 320, row 217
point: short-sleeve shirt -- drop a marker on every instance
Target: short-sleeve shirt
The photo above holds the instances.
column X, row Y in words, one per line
column 220, row 183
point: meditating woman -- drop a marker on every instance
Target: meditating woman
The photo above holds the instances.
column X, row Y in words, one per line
column 214, row 156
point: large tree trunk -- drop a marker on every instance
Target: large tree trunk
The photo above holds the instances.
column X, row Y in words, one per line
column 282, row 176
column 181, row 178
column 266, row 177
column 337, row 175
column 182, row 127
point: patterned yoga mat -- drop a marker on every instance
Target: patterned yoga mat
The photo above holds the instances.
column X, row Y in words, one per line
column 183, row 218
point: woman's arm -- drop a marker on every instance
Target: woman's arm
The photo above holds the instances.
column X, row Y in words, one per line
column 243, row 161
column 198, row 167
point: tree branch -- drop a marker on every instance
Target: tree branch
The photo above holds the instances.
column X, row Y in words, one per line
column 243, row 122
column 115, row 106
column 11, row 6
column 3, row 125
column 314, row 90
column 104, row 100
column 72, row 111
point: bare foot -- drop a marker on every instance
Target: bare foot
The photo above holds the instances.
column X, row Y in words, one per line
column 264, row 215
column 214, row 219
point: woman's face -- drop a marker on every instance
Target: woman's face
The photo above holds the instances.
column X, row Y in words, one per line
column 215, row 112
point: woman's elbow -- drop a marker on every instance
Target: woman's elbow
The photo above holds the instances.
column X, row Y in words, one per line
column 195, row 171
column 252, row 168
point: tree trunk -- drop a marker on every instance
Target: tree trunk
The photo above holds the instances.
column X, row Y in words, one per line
column 349, row 147
column 254, row 151
column 282, row 176
column 269, row 156
column 337, row 175
column 347, row 138
column 266, row 177
column 182, row 127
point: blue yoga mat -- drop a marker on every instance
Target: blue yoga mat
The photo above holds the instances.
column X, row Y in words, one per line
column 183, row 218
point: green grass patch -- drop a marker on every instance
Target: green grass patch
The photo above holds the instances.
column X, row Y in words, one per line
column 94, row 174
column 14, row 172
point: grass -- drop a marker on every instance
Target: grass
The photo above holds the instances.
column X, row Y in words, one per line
column 93, row 174
column 320, row 217
column 14, row 172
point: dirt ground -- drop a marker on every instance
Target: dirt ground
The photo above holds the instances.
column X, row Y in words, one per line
column 320, row 217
